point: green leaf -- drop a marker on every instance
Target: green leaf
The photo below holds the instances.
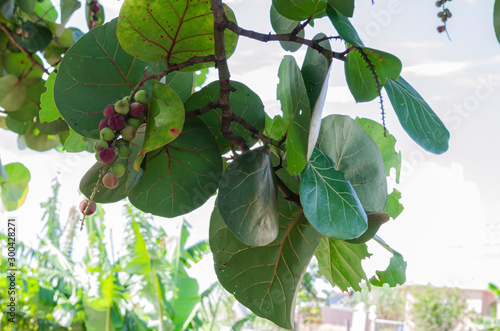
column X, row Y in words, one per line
column 344, row 27
column 248, row 198
column 174, row 31
column 48, row 109
column 244, row 103
column 46, row 10
column 359, row 76
column 185, row 301
column 38, row 36
column 357, row 155
column 180, row 176
column 396, row 271
column 496, row 19
column 393, row 207
column 18, row 64
column 340, row 263
column 16, row 182
column 68, row 7
column 96, row 72
column 265, row 279
column 275, row 127
column 16, row 126
column 27, row 6
column 165, row 118
column 127, row 181
column 329, row 201
column 299, row 10
column 200, row 77
column 31, row 105
column 39, row 141
column 74, row 143
column 52, row 128
column 132, row 322
column 316, row 74
column 12, row 93
column 386, row 143
column 417, row 117
column 7, row 8
column 375, row 221
column 282, row 24
column 182, row 83
column 292, row 94
column 3, row 174
column 344, row 7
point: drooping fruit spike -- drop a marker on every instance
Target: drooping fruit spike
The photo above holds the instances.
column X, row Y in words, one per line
column 116, row 122
column 100, row 145
column 107, row 155
column 122, row 107
column 103, row 124
column 134, row 122
column 137, row 110
column 128, row 133
column 124, row 152
column 92, row 207
column 109, row 111
column 110, row 180
column 107, row 134
column 141, row 96
column 118, row 169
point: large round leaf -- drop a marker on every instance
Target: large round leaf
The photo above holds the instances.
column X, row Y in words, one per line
column 329, row 201
column 39, row 141
column 14, row 179
column 244, row 103
column 174, row 30
column 182, row 175
column 127, row 181
column 94, row 73
column 299, row 10
column 265, row 279
column 12, row 94
column 165, row 118
column 248, row 198
column 357, row 155
column 35, row 37
column 19, row 65
column 282, row 24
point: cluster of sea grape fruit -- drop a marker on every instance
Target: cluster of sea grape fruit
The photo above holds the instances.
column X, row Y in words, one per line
column 116, row 130
column 94, row 9
column 444, row 14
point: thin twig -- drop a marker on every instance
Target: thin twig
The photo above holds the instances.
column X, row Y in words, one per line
column 200, row 111
column 21, row 48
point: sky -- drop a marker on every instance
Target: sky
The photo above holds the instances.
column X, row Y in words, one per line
column 449, row 232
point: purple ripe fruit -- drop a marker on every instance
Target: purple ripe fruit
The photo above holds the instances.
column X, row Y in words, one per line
column 116, row 122
column 110, row 180
column 92, row 207
column 137, row 110
column 107, row 155
column 109, row 111
column 103, row 124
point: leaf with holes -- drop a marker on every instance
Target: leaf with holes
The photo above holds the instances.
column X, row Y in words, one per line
column 248, row 198
column 181, row 176
column 127, row 181
column 265, row 279
column 174, row 31
column 292, row 94
column 329, row 201
column 393, row 207
column 244, row 103
column 81, row 94
column 357, row 155
column 316, row 73
column 417, row 117
column 386, row 143
column 282, row 24
column 359, row 66
column 340, row 263
column 299, row 10
column 396, row 271
column 343, row 26
column 48, row 110
column 165, row 118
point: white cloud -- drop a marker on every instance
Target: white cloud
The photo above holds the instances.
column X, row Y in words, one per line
column 435, row 69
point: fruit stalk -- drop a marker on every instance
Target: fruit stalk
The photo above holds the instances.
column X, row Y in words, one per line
column 94, row 191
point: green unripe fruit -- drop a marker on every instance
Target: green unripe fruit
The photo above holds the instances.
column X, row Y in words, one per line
column 118, row 169
column 100, row 145
column 128, row 133
column 124, row 152
column 122, row 107
column 141, row 96
column 98, row 159
column 122, row 142
column 107, row 134
column 134, row 122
